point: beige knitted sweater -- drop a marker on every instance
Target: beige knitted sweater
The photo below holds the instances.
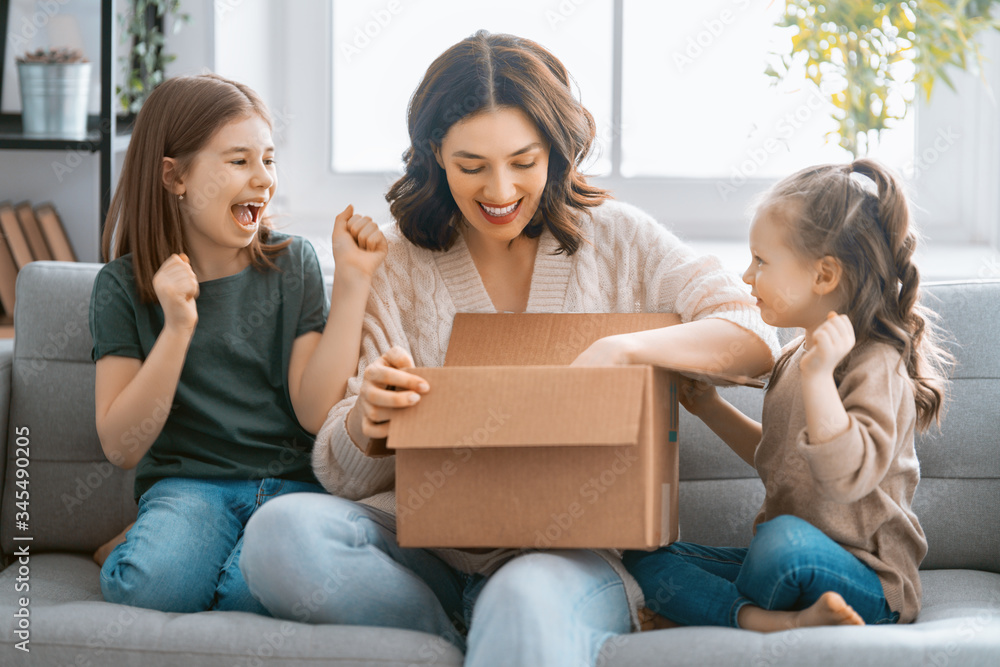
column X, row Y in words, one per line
column 858, row 487
column 627, row 263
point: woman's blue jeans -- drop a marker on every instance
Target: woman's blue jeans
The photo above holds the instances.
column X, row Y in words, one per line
column 789, row 565
column 324, row 559
column 183, row 552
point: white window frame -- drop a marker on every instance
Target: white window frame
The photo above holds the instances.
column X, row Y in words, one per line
column 960, row 177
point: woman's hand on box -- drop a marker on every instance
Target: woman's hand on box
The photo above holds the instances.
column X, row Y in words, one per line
column 387, row 389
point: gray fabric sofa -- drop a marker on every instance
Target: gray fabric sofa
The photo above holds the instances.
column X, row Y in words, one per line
column 76, row 501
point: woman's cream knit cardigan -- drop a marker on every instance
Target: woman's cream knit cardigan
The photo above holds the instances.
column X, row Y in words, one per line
column 626, row 263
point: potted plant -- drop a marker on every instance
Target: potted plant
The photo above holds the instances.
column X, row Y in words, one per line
column 55, row 85
column 869, row 57
column 144, row 60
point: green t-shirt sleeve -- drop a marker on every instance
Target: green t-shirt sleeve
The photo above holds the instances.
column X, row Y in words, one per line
column 112, row 318
column 314, row 305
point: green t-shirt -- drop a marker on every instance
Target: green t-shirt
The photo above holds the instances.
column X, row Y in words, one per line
column 232, row 415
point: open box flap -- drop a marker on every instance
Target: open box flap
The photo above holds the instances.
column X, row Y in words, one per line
column 499, row 406
column 536, row 339
column 713, row 377
column 532, row 339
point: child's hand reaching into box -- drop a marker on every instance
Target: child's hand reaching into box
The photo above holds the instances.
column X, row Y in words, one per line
column 607, row 351
column 696, row 396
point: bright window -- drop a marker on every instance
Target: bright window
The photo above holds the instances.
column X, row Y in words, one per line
column 394, row 42
column 695, row 102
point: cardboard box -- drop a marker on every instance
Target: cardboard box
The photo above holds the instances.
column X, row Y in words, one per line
column 511, row 448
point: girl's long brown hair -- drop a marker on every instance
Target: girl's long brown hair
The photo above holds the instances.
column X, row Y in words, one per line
column 868, row 230
column 481, row 73
column 177, row 120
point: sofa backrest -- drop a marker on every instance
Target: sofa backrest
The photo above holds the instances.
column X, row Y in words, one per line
column 78, row 500
column 958, row 497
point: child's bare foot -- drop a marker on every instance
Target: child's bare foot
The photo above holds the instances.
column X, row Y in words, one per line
column 829, row 609
column 650, row 620
column 105, row 549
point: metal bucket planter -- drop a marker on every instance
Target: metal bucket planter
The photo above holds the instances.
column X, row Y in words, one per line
column 54, row 98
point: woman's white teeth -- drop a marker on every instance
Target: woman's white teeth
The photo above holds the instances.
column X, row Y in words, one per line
column 499, row 212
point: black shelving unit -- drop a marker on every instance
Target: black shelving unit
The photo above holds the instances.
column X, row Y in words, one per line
column 104, row 136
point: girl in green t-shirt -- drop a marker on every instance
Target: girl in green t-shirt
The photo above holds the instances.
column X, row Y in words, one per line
column 217, row 356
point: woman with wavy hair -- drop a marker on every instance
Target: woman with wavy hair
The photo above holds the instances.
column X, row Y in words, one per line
column 491, row 215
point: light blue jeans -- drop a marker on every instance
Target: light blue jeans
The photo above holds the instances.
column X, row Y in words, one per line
column 789, row 565
column 183, row 552
column 323, row 559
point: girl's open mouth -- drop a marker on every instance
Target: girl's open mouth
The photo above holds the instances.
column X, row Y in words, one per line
column 500, row 215
column 247, row 215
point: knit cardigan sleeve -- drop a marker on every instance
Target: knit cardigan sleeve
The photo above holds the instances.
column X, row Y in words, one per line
column 342, row 468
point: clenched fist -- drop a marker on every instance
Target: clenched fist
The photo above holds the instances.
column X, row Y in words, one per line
column 176, row 288
column 358, row 244
column 831, row 341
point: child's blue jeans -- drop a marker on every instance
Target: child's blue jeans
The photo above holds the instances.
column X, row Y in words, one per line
column 789, row 565
column 183, row 552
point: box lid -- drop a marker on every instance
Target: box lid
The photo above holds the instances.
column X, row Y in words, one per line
column 536, row 339
column 530, row 339
column 500, row 406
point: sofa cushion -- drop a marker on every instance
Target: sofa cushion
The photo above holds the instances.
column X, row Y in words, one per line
column 959, row 625
column 71, row 626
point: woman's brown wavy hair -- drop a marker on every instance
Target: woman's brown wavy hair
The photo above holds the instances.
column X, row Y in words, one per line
column 177, row 120
column 481, row 73
column 833, row 211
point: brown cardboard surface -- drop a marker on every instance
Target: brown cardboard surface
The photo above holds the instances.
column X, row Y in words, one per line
column 498, row 406
column 494, row 339
column 510, row 448
column 476, row 493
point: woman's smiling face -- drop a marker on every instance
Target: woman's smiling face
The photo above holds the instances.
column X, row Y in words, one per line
column 496, row 163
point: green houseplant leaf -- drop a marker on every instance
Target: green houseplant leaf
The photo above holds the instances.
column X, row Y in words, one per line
column 855, row 52
column 144, row 58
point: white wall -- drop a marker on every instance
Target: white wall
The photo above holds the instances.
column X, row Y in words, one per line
column 194, row 43
column 957, row 185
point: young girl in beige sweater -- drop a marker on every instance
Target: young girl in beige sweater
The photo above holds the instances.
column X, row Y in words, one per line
column 836, row 541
